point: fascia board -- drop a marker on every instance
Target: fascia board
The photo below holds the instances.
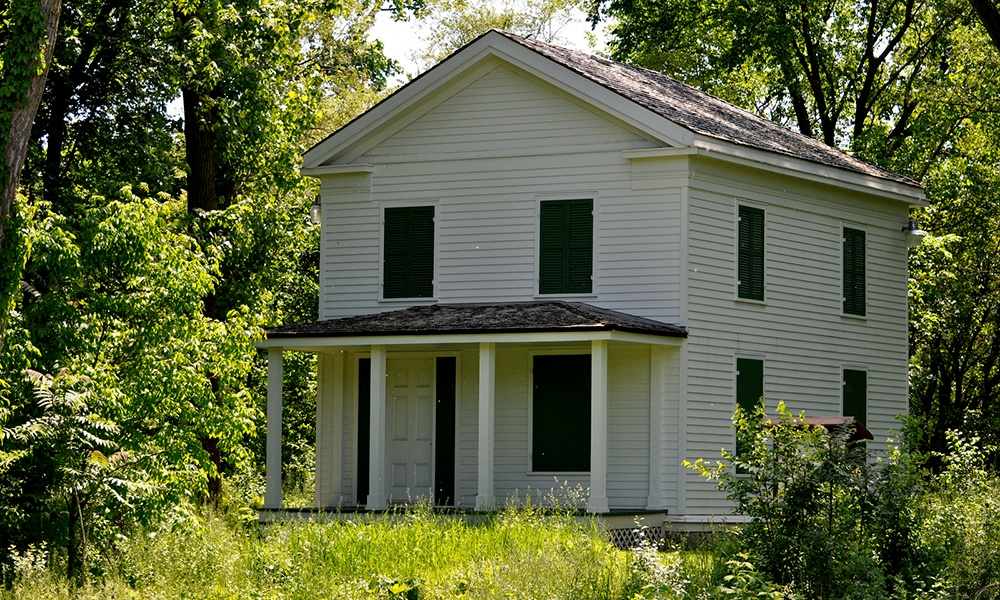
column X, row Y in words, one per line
column 810, row 171
column 462, row 67
column 314, row 344
column 334, row 170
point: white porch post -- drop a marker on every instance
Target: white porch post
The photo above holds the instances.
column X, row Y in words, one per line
column 329, row 428
column 376, row 460
column 272, row 493
column 485, row 499
column 598, row 501
column 657, row 375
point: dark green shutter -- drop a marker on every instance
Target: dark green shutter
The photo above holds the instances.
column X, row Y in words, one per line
column 856, row 394
column 550, row 266
column 560, row 423
column 751, row 253
column 854, row 271
column 566, row 247
column 749, row 383
column 749, row 386
column 408, row 269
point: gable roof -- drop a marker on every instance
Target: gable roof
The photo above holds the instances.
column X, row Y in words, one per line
column 675, row 113
column 699, row 112
column 480, row 318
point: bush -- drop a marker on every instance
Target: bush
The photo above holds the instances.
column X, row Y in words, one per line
column 826, row 521
column 809, row 498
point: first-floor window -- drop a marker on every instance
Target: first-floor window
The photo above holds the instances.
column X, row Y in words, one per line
column 560, row 425
column 856, row 395
column 749, row 386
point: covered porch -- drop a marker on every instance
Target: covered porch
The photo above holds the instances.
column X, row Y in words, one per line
column 404, row 367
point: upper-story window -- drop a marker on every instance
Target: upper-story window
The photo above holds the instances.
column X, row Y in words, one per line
column 854, row 271
column 750, row 269
column 408, row 253
column 566, row 247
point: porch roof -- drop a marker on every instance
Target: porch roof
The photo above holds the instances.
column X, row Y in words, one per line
column 484, row 318
column 481, row 318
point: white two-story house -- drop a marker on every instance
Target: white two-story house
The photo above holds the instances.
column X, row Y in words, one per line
column 541, row 265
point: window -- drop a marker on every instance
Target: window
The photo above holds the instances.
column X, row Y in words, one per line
column 856, row 395
column 560, row 414
column 566, row 247
column 749, row 386
column 751, row 254
column 854, row 271
column 408, row 268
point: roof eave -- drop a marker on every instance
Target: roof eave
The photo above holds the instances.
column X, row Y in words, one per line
column 316, row 343
column 910, row 194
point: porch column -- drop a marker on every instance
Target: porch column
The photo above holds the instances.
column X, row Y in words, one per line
column 598, row 501
column 329, row 428
column 376, row 439
column 485, row 495
column 657, row 381
column 272, row 493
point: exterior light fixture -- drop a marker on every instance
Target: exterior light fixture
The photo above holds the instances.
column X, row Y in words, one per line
column 913, row 235
column 316, row 211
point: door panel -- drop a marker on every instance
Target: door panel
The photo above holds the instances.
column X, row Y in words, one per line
column 410, row 452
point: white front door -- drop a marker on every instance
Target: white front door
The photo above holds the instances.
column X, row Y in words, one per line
column 410, row 415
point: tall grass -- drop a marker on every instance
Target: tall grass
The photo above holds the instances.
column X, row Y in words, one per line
column 416, row 554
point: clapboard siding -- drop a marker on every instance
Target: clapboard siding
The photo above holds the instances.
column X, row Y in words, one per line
column 486, row 202
column 522, row 114
column 799, row 330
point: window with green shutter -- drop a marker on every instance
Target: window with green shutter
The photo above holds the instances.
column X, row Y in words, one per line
column 751, row 253
column 566, row 247
column 408, row 253
column 854, row 271
column 749, row 385
column 856, row 394
column 560, row 413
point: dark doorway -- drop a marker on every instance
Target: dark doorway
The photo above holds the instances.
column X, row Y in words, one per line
column 364, row 417
column 444, row 436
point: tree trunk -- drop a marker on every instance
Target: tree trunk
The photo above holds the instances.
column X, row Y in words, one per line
column 989, row 16
column 211, row 445
column 22, row 115
column 199, row 146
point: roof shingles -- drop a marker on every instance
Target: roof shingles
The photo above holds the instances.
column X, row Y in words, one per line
column 517, row 317
column 702, row 113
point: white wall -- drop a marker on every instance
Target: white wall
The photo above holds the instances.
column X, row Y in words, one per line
column 484, row 158
column 799, row 330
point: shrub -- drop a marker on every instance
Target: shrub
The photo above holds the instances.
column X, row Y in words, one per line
column 809, row 497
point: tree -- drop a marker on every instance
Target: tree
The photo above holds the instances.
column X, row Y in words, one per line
column 457, row 22
column 836, row 70
column 28, row 29
column 989, row 16
column 909, row 85
column 152, row 296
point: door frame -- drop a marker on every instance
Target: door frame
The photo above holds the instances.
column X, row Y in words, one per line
column 362, row 402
